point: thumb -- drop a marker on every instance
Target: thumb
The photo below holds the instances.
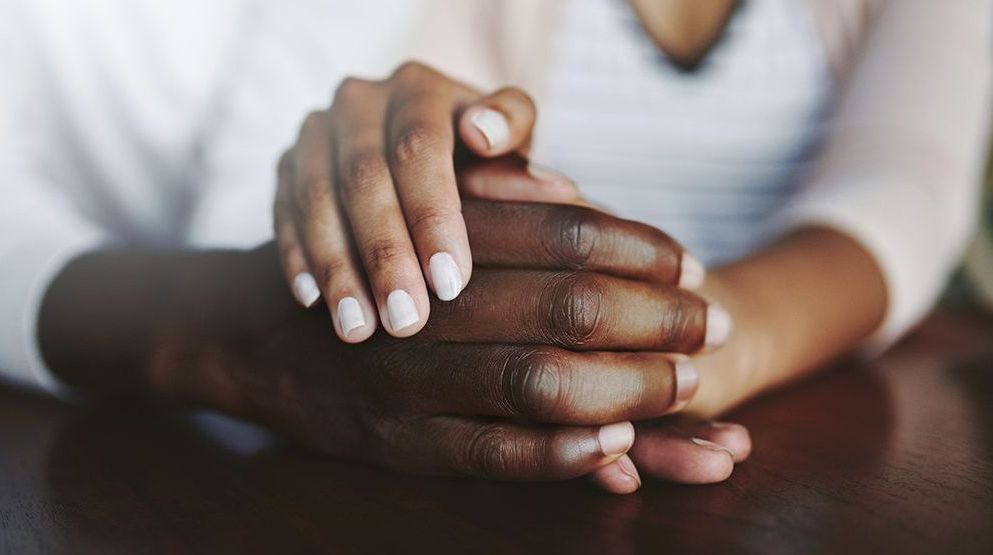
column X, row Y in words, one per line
column 499, row 123
column 512, row 178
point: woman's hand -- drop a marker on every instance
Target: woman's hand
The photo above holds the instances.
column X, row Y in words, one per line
column 368, row 211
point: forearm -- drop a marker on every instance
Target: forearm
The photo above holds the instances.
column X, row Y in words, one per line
column 799, row 303
column 167, row 324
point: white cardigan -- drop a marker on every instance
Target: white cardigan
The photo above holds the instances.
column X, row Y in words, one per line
column 160, row 122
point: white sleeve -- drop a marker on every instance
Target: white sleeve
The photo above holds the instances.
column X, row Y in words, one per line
column 39, row 229
column 901, row 169
column 290, row 64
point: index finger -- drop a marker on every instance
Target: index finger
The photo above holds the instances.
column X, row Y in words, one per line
column 569, row 237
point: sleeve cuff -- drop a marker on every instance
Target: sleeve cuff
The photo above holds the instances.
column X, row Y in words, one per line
column 37, row 265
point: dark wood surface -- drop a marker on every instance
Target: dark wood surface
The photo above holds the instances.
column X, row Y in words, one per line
column 893, row 457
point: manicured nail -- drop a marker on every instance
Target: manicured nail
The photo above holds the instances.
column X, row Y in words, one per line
column 719, row 326
column 493, row 126
column 445, row 276
column 401, row 309
column 687, row 382
column 546, row 174
column 616, row 439
column 305, row 289
column 627, row 466
column 712, row 446
column 691, row 272
column 350, row 315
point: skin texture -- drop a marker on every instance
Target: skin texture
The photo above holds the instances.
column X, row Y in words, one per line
column 368, row 195
column 217, row 329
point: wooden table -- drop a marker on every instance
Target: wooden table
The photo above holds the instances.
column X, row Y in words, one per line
column 893, row 457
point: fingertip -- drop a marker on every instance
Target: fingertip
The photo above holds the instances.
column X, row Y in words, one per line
column 352, row 323
column 717, row 465
column 619, row 476
column 446, row 276
column 686, row 380
column 734, row 437
column 485, row 130
column 305, row 289
column 553, row 184
column 720, row 326
column 691, row 272
column 401, row 316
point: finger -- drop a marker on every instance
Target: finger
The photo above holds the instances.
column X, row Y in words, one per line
column 620, row 476
column 545, row 384
column 512, row 178
column 323, row 236
column 373, row 209
column 547, row 236
column 734, row 437
column 298, row 275
column 503, row 450
column 668, row 453
column 499, row 123
column 421, row 144
column 580, row 311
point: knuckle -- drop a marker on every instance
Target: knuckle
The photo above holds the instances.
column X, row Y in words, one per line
column 492, row 452
column 313, row 190
column 678, row 323
column 384, row 253
column 363, row 170
column 350, row 90
column 312, row 122
column 410, row 69
column 329, row 270
column 284, row 165
column 575, row 233
column 430, row 218
column 574, row 304
column 415, row 143
column 534, row 383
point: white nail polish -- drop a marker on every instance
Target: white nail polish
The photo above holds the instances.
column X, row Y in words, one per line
column 350, row 315
column 305, row 289
column 691, row 272
column 445, row 276
column 493, row 126
column 401, row 309
column 719, row 326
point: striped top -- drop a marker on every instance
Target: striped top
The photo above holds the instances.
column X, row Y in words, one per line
column 708, row 156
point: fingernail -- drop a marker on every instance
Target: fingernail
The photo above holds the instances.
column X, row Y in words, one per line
column 712, row 446
column 350, row 315
column 445, row 276
column 691, row 272
column 627, row 466
column 546, row 174
column 305, row 289
column 719, row 326
column 493, row 126
column 616, row 439
column 687, row 382
column 401, row 309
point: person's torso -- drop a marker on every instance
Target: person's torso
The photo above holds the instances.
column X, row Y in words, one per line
column 707, row 156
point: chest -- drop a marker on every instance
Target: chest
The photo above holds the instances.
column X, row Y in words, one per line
column 706, row 155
